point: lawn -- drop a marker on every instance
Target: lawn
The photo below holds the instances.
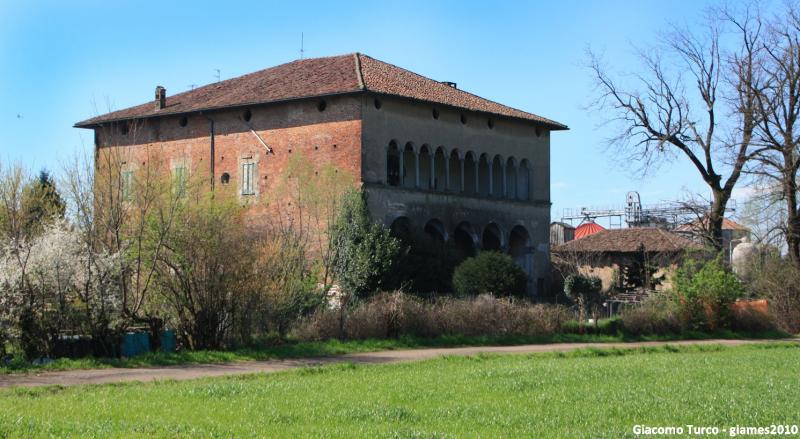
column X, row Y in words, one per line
column 591, row 393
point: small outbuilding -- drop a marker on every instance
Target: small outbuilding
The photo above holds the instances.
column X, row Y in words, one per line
column 631, row 260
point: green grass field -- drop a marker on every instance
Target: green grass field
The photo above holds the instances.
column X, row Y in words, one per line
column 594, row 393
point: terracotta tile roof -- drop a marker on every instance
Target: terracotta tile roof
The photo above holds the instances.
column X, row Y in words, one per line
column 316, row 77
column 629, row 241
column 698, row 225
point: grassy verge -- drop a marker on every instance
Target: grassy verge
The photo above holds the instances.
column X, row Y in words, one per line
column 588, row 393
column 336, row 347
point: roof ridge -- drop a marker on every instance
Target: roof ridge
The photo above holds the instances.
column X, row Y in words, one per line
column 359, row 75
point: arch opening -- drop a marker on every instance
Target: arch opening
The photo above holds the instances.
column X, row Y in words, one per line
column 401, row 229
column 470, row 174
column 440, row 170
column 464, row 240
column 497, row 177
column 409, row 166
column 435, row 229
column 523, row 179
column 492, row 238
column 425, row 168
column 511, row 179
column 455, row 171
column 483, row 175
column 393, row 165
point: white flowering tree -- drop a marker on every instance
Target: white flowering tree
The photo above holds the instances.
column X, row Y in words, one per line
column 64, row 286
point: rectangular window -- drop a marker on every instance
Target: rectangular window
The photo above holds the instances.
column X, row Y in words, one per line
column 248, row 178
column 127, row 184
column 179, row 180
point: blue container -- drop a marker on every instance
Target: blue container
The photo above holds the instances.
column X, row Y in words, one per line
column 168, row 341
column 135, row 343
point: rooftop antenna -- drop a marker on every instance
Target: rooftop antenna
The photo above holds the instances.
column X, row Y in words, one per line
column 302, row 50
column 192, row 86
column 217, row 75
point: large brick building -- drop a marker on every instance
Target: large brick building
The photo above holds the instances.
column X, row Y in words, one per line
column 430, row 156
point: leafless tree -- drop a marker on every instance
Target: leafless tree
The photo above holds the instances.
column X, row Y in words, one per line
column 123, row 201
column 777, row 107
column 708, row 119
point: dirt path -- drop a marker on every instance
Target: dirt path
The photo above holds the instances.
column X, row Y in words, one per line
column 192, row 371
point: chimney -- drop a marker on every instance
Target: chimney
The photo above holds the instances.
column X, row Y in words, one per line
column 161, row 97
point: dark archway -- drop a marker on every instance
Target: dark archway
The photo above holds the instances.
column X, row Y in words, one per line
column 393, row 165
column 464, row 240
column 492, row 238
column 401, row 229
column 518, row 243
column 435, row 229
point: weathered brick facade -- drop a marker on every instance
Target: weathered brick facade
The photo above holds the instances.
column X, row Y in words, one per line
column 477, row 174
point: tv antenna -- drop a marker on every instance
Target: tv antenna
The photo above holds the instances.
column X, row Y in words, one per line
column 302, row 48
column 192, row 86
column 217, row 75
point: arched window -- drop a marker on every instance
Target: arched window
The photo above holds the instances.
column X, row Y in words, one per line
column 524, row 179
column 455, row 171
column 425, row 167
column 393, row 165
column 511, row 178
column 483, row 175
column 440, row 170
column 409, row 166
column 497, row 177
column 470, row 174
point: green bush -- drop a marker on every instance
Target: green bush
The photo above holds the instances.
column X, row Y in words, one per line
column 705, row 292
column 490, row 273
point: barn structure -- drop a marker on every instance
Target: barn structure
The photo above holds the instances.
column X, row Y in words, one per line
column 429, row 155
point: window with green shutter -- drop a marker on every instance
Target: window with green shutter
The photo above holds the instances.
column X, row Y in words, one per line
column 126, row 181
column 248, row 178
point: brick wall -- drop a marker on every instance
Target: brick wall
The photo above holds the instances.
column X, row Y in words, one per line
column 331, row 136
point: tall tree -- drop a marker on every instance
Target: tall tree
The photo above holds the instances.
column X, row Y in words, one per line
column 708, row 120
column 777, row 93
column 42, row 202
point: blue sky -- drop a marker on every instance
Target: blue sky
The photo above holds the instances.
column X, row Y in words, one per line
column 62, row 62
